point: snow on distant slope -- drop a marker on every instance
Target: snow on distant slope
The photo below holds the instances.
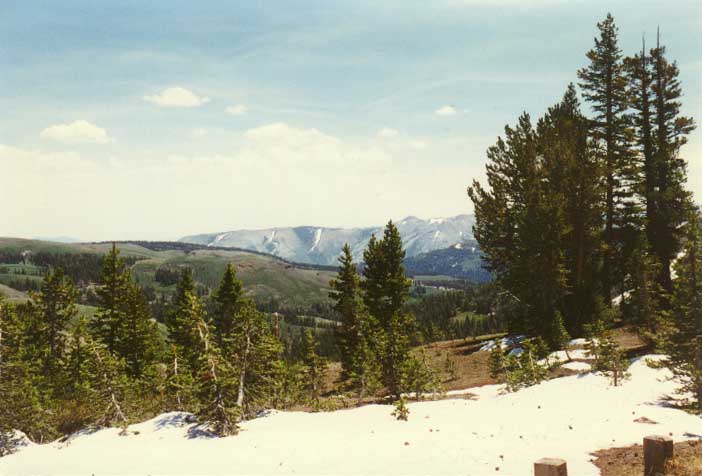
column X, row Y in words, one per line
column 567, row 417
column 320, row 245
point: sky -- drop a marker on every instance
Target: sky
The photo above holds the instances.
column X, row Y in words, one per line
column 155, row 120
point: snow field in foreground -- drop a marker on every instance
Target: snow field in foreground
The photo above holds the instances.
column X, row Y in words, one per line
column 567, row 418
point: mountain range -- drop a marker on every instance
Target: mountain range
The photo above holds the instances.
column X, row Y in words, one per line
column 322, row 245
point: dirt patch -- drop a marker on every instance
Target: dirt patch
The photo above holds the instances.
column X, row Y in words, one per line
column 628, row 461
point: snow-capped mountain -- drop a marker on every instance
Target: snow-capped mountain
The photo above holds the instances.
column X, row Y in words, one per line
column 320, row 245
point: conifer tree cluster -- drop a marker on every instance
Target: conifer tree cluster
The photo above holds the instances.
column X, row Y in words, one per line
column 582, row 207
column 376, row 333
column 61, row 372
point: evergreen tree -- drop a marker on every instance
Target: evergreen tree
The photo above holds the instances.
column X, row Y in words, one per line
column 365, row 362
column 524, row 369
column 21, row 407
column 107, row 385
column 182, row 321
column 609, row 359
column 55, row 307
column 572, row 172
column 348, row 304
column 685, row 342
column 114, row 284
column 642, row 306
column 520, row 228
column 138, row 339
column 228, row 301
column 385, row 291
column 670, row 134
column 314, row 366
column 217, row 383
column 254, row 352
column 640, row 78
column 604, row 86
column 78, row 359
column 179, row 383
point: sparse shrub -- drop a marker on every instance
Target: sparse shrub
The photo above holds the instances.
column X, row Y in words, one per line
column 497, row 362
column 524, row 370
column 609, row 359
column 450, row 367
column 418, row 377
column 401, row 411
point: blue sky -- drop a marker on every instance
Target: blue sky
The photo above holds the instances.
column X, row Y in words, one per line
column 133, row 119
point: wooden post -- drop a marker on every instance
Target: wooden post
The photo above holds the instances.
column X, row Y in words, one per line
column 550, row 467
column 657, row 450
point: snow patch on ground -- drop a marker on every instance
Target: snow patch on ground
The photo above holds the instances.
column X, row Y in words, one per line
column 567, row 417
column 555, row 358
column 579, row 366
column 580, row 341
column 504, row 342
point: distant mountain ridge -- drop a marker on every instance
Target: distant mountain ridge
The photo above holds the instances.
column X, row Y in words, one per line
column 322, row 245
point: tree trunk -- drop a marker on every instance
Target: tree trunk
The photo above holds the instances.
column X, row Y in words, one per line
column 242, row 375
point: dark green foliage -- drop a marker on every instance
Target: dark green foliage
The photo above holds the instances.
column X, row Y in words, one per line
column 685, row 341
column 385, row 290
column 671, row 130
column 54, row 308
column 255, row 352
column 349, row 306
column 609, row 359
column 604, row 86
column 457, row 314
column 419, row 377
column 365, row 365
column 538, row 223
column 524, row 370
column 228, row 301
column 401, row 411
column 498, row 361
column 21, row 403
column 114, row 283
column 138, row 340
column 314, row 368
column 182, row 322
column 643, row 303
column 179, row 383
column 661, row 132
column 217, row 383
column 108, row 386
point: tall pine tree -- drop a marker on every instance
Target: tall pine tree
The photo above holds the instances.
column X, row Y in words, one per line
column 604, row 86
column 349, row 305
column 112, row 292
column 228, row 301
column 685, row 343
column 385, row 291
column 670, row 134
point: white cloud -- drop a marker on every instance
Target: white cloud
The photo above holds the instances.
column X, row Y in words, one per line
column 176, row 97
column 280, row 143
column 446, row 111
column 387, row 132
column 77, row 132
column 237, row 110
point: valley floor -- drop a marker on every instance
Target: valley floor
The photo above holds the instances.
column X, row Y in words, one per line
column 568, row 417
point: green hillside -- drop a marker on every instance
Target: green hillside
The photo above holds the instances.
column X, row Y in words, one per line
column 265, row 278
